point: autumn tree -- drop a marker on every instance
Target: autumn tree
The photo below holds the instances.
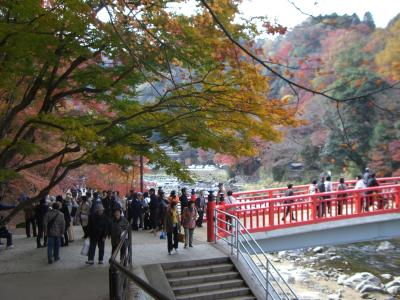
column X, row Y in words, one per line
column 73, row 86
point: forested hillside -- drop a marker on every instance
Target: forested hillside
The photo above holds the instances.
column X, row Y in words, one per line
column 345, row 57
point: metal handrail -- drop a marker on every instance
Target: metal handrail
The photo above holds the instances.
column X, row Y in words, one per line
column 124, row 268
column 239, row 238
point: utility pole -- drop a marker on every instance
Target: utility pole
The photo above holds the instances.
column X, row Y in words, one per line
column 141, row 174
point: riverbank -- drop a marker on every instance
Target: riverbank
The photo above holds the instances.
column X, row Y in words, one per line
column 356, row 271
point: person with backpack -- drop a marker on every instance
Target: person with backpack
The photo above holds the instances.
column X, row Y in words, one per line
column 289, row 210
column 54, row 226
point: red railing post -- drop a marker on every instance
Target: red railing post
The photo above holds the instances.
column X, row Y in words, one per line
column 210, row 219
column 270, row 194
column 358, row 202
column 313, row 207
column 397, row 198
column 271, row 213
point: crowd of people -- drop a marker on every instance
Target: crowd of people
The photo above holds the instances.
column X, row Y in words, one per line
column 106, row 214
column 367, row 180
column 174, row 217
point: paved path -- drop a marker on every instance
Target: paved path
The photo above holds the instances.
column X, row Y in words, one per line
column 25, row 274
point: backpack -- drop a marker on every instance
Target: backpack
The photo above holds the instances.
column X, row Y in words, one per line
column 51, row 223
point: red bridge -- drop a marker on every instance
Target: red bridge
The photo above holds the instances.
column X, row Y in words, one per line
column 269, row 214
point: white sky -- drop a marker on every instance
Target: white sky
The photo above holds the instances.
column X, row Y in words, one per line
column 287, row 15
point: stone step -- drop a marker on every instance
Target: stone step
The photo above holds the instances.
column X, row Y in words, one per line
column 208, row 287
column 195, row 263
column 215, row 295
column 201, row 270
column 203, row 278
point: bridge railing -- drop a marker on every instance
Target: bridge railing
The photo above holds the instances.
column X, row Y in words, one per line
column 231, row 230
column 271, row 193
column 269, row 214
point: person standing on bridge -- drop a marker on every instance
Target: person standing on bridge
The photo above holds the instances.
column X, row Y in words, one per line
column 54, row 226
column 321, row 200
column 328, row 189
column 360, row 184
column 289, row 208
column 313, row 189
column 373, row 196
column 341, row 198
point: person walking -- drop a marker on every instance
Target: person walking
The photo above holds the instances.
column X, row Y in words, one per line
column 98, row 229
column 54, row 226
column 83, row 215
column 40, row 212
column 118, row 225
column 288, row 209
column 341, row 197
column 188, row 220
column 201, row 206
column 141, row 210
column 172, row 227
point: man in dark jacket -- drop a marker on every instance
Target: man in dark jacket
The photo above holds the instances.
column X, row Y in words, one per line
column 321, row 206
column 136, row 211
column 40, row 212
column 153, row 205
column 107, row 204
column 183, row 199
column 200, row 205
column 29, row 211
column 118, row 225
column 98, row 229
column 54, row 226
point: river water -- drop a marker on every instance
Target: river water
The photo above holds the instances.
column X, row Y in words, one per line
column 314, row 273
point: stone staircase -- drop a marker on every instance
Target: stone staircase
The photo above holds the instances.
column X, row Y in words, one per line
column 207, row 280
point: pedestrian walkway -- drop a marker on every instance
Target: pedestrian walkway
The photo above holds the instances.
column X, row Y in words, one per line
column 25, row 274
